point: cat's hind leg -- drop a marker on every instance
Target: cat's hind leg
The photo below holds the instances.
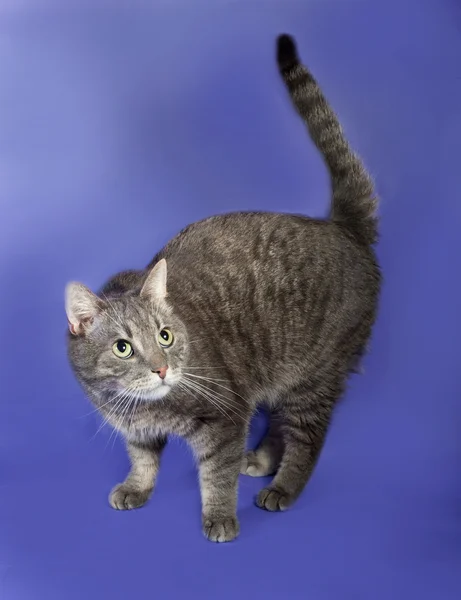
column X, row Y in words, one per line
column 305, row 414
column 265, row 460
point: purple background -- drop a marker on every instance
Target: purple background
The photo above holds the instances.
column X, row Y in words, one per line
column 120, row 124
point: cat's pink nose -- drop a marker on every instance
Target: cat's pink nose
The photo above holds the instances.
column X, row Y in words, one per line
column 161, row 372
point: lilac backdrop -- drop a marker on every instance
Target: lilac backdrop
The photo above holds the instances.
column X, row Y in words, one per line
column 119, row 124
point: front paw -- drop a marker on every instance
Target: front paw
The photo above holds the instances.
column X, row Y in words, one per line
column 125, row 497
column 220, row 529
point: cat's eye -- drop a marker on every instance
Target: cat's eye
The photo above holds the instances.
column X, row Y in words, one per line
column 165, row 338
column 122, row 349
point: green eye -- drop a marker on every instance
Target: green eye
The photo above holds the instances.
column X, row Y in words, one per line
column 122, row 349
column 165, row 338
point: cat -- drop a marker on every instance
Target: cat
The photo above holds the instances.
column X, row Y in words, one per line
column 237, row 311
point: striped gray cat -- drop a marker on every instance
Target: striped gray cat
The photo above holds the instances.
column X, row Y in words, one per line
column 256, row 309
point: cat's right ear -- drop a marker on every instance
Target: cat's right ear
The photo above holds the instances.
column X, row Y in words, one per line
column 155, row 285
column 82, row 306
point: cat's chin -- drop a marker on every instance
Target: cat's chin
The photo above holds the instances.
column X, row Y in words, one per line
column 160, row 392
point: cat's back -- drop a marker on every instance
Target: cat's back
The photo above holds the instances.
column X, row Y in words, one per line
column 258, row 236
column 264, row 253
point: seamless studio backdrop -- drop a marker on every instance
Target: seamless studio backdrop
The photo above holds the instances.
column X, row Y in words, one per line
column 119, row 124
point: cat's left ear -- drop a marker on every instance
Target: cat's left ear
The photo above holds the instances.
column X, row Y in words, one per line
column 155, row 285
column 82, row 306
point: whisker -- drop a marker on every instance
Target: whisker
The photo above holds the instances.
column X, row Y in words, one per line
column 121, row 405
column 224, row 400
column 138, row 401
column 201, row 377
column 121, row 420
column 218, row 384
column 128, row 411
column 189, row 367
column 118, row 402
column 207, row 396
column 124, row 396
column 97, row 409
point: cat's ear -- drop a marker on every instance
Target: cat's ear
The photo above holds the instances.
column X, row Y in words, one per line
column 155, row 285
column 82, row 306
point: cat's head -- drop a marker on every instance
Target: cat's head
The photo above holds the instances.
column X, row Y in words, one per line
column 128, row 345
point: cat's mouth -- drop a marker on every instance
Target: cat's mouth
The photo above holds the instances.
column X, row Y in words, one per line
column 153, row 388
column 160, row 388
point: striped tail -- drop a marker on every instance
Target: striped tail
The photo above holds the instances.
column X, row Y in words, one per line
column 354, row 203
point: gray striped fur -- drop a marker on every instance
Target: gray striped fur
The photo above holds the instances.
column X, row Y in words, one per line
column 266, row 310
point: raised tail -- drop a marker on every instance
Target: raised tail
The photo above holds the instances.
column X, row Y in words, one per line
column 354, row 203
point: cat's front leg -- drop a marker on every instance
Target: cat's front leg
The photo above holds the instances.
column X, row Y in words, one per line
column 137, row 488
column 219, row 450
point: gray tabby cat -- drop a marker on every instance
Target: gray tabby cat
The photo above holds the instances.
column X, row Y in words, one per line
column 257, row 308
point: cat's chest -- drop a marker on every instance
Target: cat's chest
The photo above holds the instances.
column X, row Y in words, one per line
column 148, row 424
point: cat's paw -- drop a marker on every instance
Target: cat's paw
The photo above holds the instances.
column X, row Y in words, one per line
column 125, row 497
column 220, row 529
column 257, row 464
column 273, row 499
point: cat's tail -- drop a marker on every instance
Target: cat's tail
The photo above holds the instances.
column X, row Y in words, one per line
column 354, row 203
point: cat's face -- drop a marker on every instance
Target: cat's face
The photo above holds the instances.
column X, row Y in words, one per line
column 129, row 346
